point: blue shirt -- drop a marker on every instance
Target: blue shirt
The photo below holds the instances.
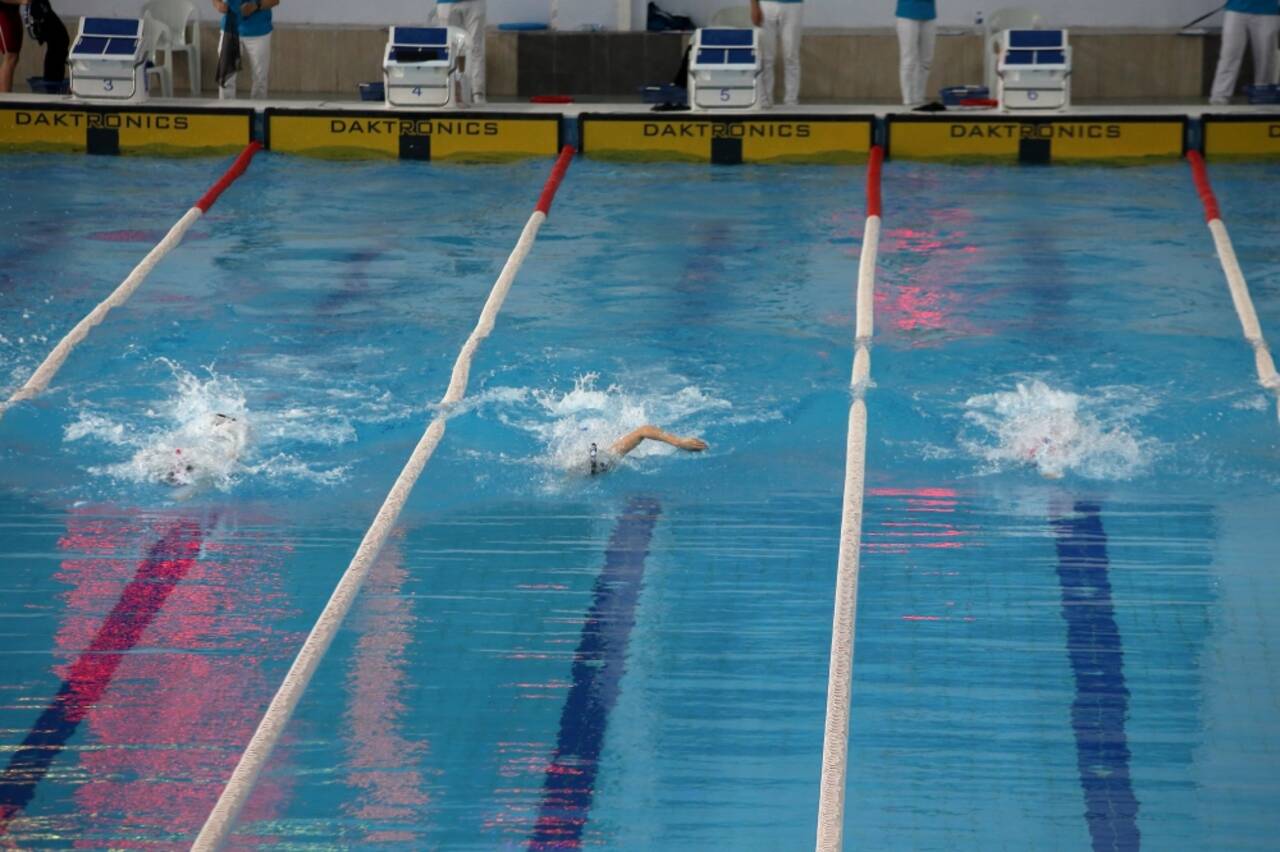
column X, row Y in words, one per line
column 257, row 24
column 1254, row 7
column 917, row 10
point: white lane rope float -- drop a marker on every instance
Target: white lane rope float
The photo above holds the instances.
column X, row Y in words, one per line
column 221, row 820
column 1236, row 283
column 835, row 740
column 53, row 362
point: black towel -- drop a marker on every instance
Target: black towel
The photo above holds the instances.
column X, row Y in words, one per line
column 229, row 55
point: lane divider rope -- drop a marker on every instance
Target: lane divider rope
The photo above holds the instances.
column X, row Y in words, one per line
column 53, row 362
column 1236, row 283
column 835, row 741
column 220, row 822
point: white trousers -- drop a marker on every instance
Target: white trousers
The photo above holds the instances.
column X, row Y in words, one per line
column 468, row 14
column 785, row 20
column 256, row 50
column 1237, row 28
column 915, row 58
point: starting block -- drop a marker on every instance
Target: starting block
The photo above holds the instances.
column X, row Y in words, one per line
column 423, row 67
column 1034, row 69
column 108, row 60
column 724, row 69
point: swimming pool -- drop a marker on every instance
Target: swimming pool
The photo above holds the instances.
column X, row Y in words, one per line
column 1063, row 634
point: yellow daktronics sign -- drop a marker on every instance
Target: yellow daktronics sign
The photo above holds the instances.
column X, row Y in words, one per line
column 413, row 136
column 124, row 131
column 1051, row 138
column 1242, row 137
column 748, row 140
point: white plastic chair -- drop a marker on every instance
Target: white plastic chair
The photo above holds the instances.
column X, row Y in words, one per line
column 733, row 17
column 177, row 16
column 1013, row 18
column 155, row 34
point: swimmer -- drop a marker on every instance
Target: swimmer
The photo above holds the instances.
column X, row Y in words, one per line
column 223, row 444
column 603, row 462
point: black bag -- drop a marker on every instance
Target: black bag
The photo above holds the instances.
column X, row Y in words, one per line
column 57, row 46
column 660, row 20
column 45, row 27
column 38, row 14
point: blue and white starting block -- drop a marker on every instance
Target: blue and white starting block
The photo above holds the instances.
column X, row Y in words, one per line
column 422, row 67
column 724, row 69
column 1034, row 69
column 109, row 59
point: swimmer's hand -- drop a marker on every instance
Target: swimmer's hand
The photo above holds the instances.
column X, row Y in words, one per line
column 695, row 445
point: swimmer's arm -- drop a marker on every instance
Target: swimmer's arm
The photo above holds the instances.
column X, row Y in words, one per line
column 631, row 440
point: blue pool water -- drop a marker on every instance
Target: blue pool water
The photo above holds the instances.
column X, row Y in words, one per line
column 1065, row 639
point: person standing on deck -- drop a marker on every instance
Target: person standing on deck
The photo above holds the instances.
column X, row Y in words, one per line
column 470, row 15
column 252, row 22
column 779, row 19
column 917, row 32
column 1254, row 21
column 10, row 41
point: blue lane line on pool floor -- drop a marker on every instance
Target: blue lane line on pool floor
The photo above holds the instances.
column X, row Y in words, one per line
column 166, row 564
column 1096, row 650
column 598, row 665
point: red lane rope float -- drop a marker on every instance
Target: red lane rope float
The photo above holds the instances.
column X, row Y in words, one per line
column 53, row 362
column 1236, row 283
column 553, row 182
column 221, row 820
column 874, row 166
column 237, row 168
column 1200, row 175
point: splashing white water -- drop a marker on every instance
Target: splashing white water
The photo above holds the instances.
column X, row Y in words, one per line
column 1057, row 432
column 567, row 423
column 205, row 436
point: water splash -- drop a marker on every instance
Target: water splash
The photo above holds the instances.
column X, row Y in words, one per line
column 205, row 436
column 565, row 423
column 1058, row 432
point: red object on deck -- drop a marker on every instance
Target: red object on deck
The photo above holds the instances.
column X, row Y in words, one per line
column 551, row 99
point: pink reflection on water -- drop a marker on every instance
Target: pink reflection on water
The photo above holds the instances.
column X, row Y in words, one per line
column 915, row 292
column 382, row 763
column 904, row 532
column 171, row 723
column 911, row 528
column 128, row 235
